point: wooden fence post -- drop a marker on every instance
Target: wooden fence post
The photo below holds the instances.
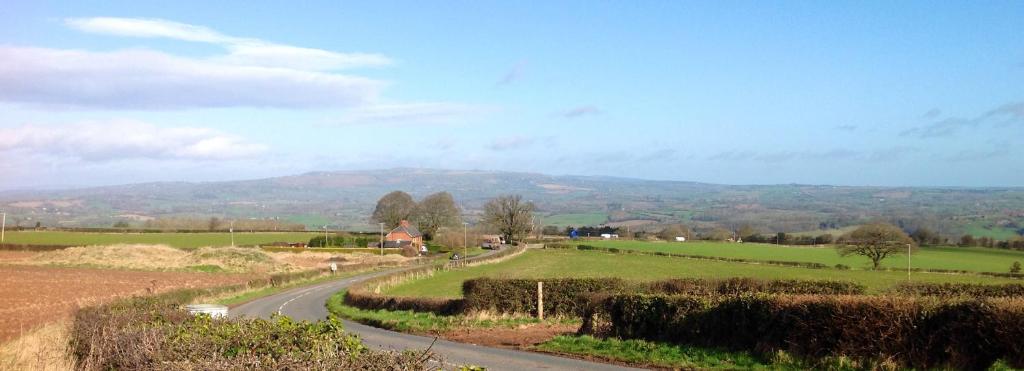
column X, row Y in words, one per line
column 540, row 300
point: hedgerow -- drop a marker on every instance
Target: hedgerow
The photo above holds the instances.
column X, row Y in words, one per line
column 919, row 332
column 960, row 289
column 154, row 333
column 562, row 296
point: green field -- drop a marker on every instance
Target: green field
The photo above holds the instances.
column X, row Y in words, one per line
column 553, row 263
column 575, row 220
column 954, row 258
column 180, row 240
column 985, row 229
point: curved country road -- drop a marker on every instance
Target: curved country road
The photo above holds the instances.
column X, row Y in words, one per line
column 309, row 303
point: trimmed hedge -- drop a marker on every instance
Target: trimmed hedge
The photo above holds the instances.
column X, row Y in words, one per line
column 566, row 296
column 960, row 289
column 738, row 285
column 562, row 296
column 360, row 295
column 920, row 332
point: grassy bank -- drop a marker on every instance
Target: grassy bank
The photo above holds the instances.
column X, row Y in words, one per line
column 573, row 263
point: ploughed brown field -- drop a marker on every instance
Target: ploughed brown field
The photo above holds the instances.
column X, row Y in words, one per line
column 31, row 296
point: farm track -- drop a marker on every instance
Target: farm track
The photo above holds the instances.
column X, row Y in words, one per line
column 309, row 303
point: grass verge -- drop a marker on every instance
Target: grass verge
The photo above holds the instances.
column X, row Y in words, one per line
column 430, row 323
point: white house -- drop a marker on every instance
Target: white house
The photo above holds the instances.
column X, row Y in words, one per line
column 609, row 236
column 680, row 239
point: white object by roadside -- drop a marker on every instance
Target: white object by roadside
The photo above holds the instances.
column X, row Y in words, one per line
column 214, row 310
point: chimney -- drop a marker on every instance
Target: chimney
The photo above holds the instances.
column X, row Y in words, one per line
column 404, row 223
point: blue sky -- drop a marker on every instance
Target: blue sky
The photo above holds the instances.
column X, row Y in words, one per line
column 850, row 93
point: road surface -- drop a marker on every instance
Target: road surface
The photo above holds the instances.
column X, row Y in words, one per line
column 309, row 303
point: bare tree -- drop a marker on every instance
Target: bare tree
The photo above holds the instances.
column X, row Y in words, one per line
column 875, row 241
column 509, row 215
column 436, row 211
column 393, row 208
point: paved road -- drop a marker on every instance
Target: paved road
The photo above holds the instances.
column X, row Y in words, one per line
column 309, row 303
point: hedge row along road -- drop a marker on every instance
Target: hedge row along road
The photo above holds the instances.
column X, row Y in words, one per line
column 310, row 303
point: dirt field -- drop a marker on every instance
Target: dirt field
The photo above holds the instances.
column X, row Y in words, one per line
column 31, row 296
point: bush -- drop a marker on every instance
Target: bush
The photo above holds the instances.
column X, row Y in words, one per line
column 733, row 286
column 960, row 289
column 154, row 333
column 919, row 332
column 562, row 296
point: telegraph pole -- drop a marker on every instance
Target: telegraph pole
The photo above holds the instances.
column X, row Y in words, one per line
column 465, row 238
column 231, row 229
column 3, row 227
column 325, row 235
column 381, row 239
column 908, row 262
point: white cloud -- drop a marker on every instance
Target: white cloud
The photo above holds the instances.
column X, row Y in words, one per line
column 415, row 113
column 241, row 51
column 121, row 140
column 144, row 79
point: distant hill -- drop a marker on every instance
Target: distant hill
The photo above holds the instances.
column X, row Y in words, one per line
column 344, row 199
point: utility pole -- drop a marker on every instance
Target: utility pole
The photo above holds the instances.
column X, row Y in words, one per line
column 381, row 239
column 3, row 227
column 231, row 229
column 325, row 235
column 465, row 238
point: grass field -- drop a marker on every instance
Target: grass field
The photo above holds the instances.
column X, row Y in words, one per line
column 576, row 220
column 179, row 240
column 985, row 229
column 573, row 263
column 956, row 258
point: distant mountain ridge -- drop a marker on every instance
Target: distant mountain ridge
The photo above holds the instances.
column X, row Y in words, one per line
column 344, row 199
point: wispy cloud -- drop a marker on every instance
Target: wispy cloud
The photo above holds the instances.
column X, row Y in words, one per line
column 412, row 113
column 123, row 139
column 251, row 72
column 513, row 74
column 973, row 155
column 1008, row 113
column 243, row 51
column 932, row 113
column 141, row 79
column 577, row 112
column 511, row 142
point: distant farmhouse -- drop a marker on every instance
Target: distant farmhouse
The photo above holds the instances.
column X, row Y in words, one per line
column 404, row 235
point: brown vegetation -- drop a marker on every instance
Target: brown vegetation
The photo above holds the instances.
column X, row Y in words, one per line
column 31, row 296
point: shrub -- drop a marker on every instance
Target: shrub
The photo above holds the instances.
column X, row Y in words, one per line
column 919, row 332
column 154, row 333
column 960, row 289
column 733, row 286
column 562, row 296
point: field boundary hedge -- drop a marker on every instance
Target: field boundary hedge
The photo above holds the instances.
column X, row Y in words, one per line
column 330, row 249
column 784, row 263
column 366, row 294
column 567, row 296
column 31, row 247
column 919, row 332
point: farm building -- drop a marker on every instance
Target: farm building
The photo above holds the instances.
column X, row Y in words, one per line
column 404, row 235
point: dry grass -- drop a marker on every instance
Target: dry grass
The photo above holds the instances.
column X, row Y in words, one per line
column 43, row 349
column 163, row 257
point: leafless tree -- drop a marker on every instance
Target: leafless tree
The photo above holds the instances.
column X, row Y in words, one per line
column 510, row 216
